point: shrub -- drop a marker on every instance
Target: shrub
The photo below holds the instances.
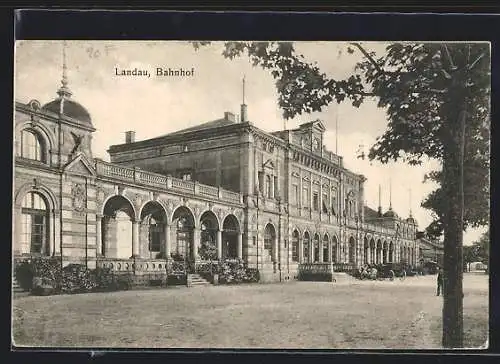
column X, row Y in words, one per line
column 47, row 274
column 104, row 279
column 23, row 271
column 76, row 278
column 231, row 272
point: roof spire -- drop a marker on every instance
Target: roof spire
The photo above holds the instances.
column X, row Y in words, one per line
column 64, row 91
column 390, row 194
column 244, row 117
column 243, row 90
column 410, row 200
column 379, row 200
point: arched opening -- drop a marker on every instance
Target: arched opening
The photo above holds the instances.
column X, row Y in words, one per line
column 208, row 239
column 391, row 252
column 384, row 252
column 117, row 228
column 316, row 248
column 379, row 252
column 152, row 230
column 334, row 249
column 270, row 240
column 306, row 241
column 34, row 237
column 231, row 229
column 326, row 245
column 295, row 246
column 352, row 250
column 366, row 248
column 183, row 222
column 372, row 251
column 31, row 146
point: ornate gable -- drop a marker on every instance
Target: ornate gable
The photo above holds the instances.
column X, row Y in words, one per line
column 268, row 165
column 80, row 165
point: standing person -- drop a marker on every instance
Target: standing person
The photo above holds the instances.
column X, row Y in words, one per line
column 439, row 281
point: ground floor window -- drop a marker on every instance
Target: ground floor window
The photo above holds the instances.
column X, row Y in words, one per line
column 34, row 223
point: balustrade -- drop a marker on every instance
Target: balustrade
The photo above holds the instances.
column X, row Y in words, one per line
column 133, row 265
column 158, row 180
column 320, row 268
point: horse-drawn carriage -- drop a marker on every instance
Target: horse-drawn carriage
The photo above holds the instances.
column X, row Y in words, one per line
column 384, row 271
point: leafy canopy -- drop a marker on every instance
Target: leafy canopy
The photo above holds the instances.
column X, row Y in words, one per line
column 416, row 84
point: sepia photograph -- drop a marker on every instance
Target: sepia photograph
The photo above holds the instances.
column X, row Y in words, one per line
column 251, row 195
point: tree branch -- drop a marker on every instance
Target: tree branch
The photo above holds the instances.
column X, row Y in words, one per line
column 367, row 55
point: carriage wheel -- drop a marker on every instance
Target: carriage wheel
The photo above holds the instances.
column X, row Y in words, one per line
column 391, row 275
column 403, row 276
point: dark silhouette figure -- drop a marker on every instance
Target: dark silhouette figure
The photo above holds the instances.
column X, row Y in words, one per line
column 78, row 142
column 439, row 281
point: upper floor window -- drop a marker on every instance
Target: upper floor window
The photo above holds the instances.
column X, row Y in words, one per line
column 315, row 201
column 295, row 194
column 305, row 197
column 31, row 146
column 269, row 190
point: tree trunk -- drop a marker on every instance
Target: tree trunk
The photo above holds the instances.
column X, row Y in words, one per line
column 453, row 235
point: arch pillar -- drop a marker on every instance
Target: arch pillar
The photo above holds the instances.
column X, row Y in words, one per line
column 98, row 231
column 167, row 241
column 196, row 242
column 321, row 253
column 239, row 246
column 301, row 249
column 135, row 239
column 218, row 240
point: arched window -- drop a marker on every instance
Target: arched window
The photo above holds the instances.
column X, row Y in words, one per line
column 316, row 248
column 306, row 247
column 31, row 146
column 34, row 222
column 295, row 246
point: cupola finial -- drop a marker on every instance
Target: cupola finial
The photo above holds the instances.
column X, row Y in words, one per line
column 64, row 91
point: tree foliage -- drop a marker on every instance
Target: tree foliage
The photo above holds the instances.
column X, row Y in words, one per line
column 413, row 82
column 436, row 97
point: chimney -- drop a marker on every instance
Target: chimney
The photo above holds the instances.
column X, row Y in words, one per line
column 129, row 137
column 244, row 118
column 229, row 116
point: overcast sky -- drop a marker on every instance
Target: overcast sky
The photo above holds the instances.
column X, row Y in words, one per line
column 159, row 105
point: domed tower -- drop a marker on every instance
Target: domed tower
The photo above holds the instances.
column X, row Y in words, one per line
column 75, row 123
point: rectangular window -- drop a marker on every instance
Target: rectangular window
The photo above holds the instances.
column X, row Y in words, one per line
column 276, row 187
column 295, row 194
column 325, row 203
column 261, row 182
column 315, row 201
column 305, row 197
column 37, row 233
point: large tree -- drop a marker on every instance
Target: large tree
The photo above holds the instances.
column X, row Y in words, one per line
column 436, row 97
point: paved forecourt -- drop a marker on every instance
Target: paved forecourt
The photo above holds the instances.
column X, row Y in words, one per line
column 355, row 314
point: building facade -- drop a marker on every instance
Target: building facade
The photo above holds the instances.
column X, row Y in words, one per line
column 221, row 190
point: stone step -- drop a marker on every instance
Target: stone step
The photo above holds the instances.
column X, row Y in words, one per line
column 343, row 277
column 197, row 280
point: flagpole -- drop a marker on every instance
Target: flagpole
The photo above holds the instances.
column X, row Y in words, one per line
column 337, row 132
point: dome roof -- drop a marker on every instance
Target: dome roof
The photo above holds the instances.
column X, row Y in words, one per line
column 411, row 220
column 70, row 108
column 390, row 213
